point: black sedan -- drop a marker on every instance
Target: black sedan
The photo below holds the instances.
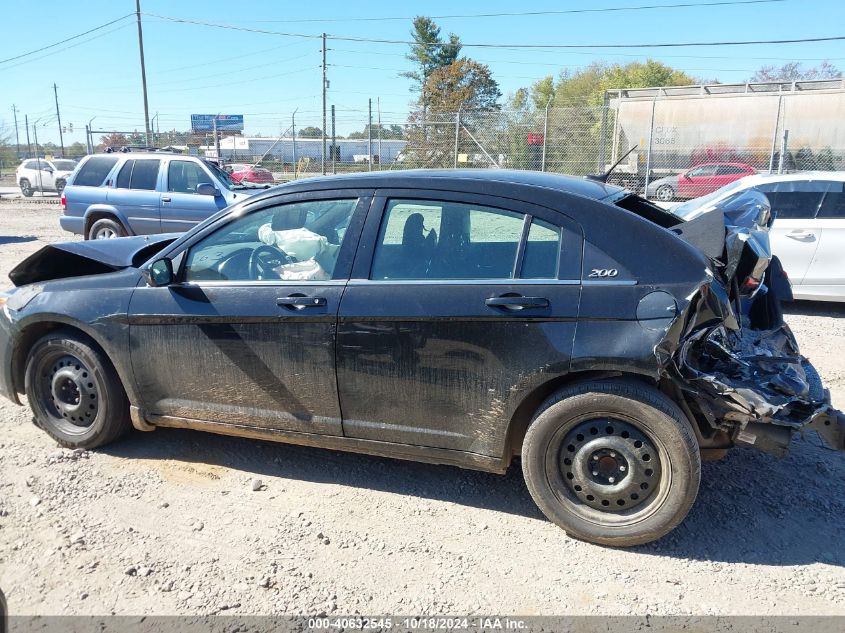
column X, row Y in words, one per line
column 456, row 317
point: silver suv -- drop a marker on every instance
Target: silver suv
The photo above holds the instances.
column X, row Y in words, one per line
column 139, row 193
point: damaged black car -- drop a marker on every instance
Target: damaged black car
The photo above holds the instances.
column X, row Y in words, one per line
column 455, row 317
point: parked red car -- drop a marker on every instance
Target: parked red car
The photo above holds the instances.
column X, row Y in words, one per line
column 698, row 181
column 240, row 172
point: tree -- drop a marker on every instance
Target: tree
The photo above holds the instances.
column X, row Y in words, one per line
column 310, row 132
column 387, row 132
column 114, row 140
column 429, row 52
column 793, row 71
column 463, row 84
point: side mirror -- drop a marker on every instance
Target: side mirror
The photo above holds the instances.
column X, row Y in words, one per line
column 159, row 273
column 687, row 177
column 207, row 189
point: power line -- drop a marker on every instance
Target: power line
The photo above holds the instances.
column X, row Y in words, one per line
column 533, row 13
column 66, row 40
column 65, row 48
column 349, row 38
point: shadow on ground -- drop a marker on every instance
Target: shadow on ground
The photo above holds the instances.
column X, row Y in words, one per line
column 751, row 508
column 16, row 239
column 815, row 308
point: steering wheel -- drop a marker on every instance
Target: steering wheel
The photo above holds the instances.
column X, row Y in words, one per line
column 264, row 259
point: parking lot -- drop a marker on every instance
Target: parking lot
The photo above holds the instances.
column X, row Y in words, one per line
column 182, row 522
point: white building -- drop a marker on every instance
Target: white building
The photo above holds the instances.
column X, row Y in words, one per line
column 234, row 148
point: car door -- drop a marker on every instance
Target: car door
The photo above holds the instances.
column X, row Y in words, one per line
column 182, row 208
column 696, row 182
column 458, row 304
column 246, row 334
column 825, row 277
column 795, row 233
column 135, row 193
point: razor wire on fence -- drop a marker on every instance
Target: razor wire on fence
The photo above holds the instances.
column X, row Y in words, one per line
column 669, row 143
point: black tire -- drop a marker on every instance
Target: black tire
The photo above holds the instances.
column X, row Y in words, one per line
column 74, row 391
column 613, row 462
column 665, row 193
column 60, row 186
column 105, row 228
column 26, row 188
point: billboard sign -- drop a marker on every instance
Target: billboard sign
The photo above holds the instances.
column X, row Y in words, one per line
column 225, row 122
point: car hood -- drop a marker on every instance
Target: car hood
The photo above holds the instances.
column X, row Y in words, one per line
column 92, row 257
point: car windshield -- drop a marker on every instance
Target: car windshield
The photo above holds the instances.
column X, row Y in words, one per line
column 65, row 165
column 223, row 176
column 688, row 208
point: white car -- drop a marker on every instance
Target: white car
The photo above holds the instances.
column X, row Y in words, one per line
column 39, row 174
column 808, row 234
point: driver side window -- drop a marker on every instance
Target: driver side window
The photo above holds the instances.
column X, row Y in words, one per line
column 298, row 241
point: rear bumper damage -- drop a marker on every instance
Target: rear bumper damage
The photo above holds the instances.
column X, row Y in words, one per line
column 746, row 384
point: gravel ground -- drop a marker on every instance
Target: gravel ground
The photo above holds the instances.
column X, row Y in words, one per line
column 179, row 522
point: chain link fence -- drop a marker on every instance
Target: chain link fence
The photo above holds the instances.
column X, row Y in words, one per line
column 687, row 141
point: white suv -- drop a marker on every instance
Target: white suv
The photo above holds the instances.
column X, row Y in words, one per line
column 39, row 174
column 808, row 234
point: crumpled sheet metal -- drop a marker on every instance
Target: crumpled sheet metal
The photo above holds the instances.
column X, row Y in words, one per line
column 734, row 372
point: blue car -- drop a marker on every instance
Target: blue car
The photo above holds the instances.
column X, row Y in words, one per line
column 141, row 193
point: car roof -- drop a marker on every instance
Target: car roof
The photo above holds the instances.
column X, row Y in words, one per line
column 757, row 179
column 464, row 178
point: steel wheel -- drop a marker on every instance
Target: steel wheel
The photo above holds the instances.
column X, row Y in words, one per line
column 68, row 392
column 74, row 392
column 609, row 465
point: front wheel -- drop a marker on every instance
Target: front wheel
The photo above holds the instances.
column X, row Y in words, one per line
column 665, row 193
column 26, row 188
column 74, row 392
column 60, row 186
column 612, row 462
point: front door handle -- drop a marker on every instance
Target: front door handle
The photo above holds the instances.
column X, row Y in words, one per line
column 517, row 303
column 801, row 235
column 301, row 302
column 165, row 199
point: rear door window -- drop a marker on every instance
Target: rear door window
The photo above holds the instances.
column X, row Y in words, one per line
column 94, row 171
column 425, row 239
column 145, row 174
column 794, row 199
column 124, row 175
column 833, row 205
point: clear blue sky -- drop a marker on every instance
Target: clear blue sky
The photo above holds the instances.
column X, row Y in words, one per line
column 198, row 69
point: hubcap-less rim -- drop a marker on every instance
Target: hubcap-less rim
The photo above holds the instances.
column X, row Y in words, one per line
column 104, row 233
column 71, row 391
column 665, row 194
column 610, row 465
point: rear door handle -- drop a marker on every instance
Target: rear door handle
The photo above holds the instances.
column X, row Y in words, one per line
column 165, row 199
column 517, row 303
column 301, row 302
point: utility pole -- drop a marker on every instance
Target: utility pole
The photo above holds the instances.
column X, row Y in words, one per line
column 28, row 145
column 325, row 81
column 334, row 155
column 370, row 135
column 143, row 72
column 293, row 135
column 378, row 107
column 17, row 139
column 59, row 117
column 38, row 162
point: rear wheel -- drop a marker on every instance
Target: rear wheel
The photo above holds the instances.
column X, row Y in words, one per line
column 105, row 229
column 26, row 188
column 74, row 392
column 612, row 462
